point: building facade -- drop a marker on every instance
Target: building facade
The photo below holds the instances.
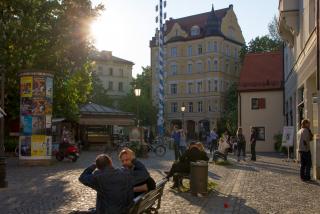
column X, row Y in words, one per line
column 115, row 74
column 201, row 62
column 261, row 98
column 298, row 28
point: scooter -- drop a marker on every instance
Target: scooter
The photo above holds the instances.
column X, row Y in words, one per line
column 71, row 153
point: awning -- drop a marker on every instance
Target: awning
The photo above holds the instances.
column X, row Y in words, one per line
column 107, row 121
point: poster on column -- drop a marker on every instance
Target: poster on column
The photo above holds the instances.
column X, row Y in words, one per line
column 48, row 106
column 38, row 146
column 48, row 145
column 38, row 106
column 26, row 106
column 26, row 125
column 48, row 124
column 49, row 87
column 38, row 125
column 39, row 87
column 25, row 146
column 26, row 86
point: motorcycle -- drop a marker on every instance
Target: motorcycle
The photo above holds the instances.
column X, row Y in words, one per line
column 71, row 152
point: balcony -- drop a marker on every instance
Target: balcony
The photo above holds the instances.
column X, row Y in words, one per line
column 289, row 20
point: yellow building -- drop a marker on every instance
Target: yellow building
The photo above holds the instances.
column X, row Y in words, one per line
column 298, row 27
column 115, row 74
column 201, row 62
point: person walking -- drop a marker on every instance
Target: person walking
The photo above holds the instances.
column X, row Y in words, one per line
column 176, row 135
column 304, row 136
column 241, row 144
column 253, row 139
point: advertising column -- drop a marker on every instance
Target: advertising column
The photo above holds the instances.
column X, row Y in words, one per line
column 36, row 93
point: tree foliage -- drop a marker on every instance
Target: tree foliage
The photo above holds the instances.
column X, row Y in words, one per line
column 51, row 35
column 143, row 104
column 266, row 43
column 229, row 119
column 99, row 93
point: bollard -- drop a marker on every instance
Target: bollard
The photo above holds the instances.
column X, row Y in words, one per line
column 199, row 178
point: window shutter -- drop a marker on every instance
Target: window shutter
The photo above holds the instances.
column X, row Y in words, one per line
column 262, row 103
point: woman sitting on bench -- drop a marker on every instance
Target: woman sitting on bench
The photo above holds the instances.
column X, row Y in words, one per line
column 194, row 153
column 223, row 149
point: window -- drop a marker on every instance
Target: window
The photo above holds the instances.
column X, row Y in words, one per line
column 195, row 31
column 173, row 88
column 121, row 72
column 199, row 49
column 258, row 103
column 215, row 47
column 260, row 133
column 190, row 50
column 199, row 67
column 209, row 85
column 199, row 87
column 110, row 86
column 209, row 65
column 215, row 65
column 215, row 85
column 174, row 52
column 209, row 49
column 190, row 68
column 190, row 107
column 227, row 50
column 227, row 68
column 120, row 86
column 236, row 53
column 174, row 107
column 200, row 105
column 174, row 69
column 209, row 107
column 110, row 71
column 190, row 85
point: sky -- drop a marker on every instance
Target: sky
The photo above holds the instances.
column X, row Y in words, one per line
column 126, row 26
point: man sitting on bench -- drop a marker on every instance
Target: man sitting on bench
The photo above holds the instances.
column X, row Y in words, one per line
column 223, row 149
column 143, row 182
column 114, row 186
column 194, row 153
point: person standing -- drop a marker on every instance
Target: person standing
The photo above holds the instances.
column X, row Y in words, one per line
column 183, row 142
column 213, row 140
column 176, row 138
column 241, row 144
column 304, row 137
column 253, row 139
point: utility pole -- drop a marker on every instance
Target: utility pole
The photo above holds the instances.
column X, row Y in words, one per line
column 3, row 182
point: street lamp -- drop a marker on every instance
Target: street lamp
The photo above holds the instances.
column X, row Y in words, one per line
column 183, row 108
column 137, row 93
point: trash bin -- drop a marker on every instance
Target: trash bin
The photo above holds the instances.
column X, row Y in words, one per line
column 199, row 178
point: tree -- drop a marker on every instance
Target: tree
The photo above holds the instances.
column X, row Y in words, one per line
column 229, row 119
column 131, row 103
column 266, row 43
column 51, row 35
column 99, row 93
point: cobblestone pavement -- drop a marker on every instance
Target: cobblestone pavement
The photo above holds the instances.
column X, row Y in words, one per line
column 269, row 185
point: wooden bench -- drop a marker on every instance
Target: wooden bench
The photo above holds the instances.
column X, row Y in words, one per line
column 149, row 202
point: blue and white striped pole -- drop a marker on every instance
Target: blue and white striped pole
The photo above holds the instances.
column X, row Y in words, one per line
column 160, row 122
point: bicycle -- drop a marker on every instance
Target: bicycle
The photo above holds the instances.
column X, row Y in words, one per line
column 158, row 149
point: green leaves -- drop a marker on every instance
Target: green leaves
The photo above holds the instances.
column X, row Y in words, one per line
column 51, row 35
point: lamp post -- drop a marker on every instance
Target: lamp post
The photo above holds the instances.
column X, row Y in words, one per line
column 183, row 108
column 137, row 93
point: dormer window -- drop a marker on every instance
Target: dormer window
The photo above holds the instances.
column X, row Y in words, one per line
column 195, row 31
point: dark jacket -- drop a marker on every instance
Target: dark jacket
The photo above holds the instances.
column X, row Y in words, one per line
column 114, row 188
column 192, row 155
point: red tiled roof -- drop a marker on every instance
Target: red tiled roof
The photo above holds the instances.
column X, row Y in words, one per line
column 262, row 71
